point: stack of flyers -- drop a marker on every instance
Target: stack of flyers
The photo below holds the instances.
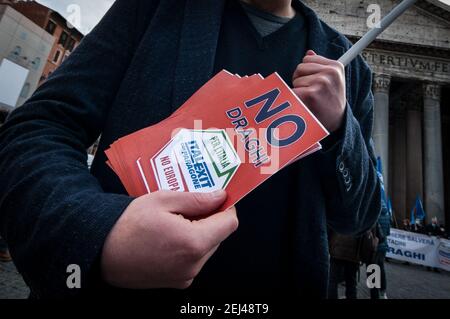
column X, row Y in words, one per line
column 234, row 133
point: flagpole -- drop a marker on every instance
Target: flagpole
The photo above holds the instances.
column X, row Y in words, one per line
column 370, row 36
column 395, row 221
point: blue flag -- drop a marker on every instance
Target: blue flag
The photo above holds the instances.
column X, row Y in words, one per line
column 389, row 205
column 380, row 177
column 413, row 216
column 420, row 212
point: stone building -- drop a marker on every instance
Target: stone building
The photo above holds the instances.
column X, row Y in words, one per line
column 26, row 46
column 66, row 36
column 411, row 64
column 33, row 39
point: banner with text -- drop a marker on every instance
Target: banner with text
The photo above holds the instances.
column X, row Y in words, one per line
column 419, row 249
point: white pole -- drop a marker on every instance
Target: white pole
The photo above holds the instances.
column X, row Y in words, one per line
column 370, row 36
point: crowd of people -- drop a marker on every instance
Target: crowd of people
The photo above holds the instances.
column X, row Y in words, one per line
column 349, row 253
column 431, row 229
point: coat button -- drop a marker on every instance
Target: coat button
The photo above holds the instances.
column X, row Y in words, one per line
column 348, row 180
column 341, row 167
column 345, row 173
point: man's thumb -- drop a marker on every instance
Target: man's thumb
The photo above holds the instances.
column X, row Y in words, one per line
column 193, row 205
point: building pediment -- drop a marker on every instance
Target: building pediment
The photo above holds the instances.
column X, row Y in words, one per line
column 438, row 7
column 426, row 24
column 437, row 10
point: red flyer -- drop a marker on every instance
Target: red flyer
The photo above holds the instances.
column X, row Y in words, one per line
column 233, row 134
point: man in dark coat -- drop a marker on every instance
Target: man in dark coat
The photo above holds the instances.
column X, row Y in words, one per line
column 383, row 231
column 143, row 60
column 344, row 265
column 434, row 229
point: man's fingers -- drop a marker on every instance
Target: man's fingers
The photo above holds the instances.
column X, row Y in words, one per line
column 319, row 60
column 310, row 80
column 305, row 69
column 305, row 94
column 205, row 237
column 331, row 64
column 208, row 255
column 192, row 205
column 184, row 284
column 181, row 285
column 216, row 228
column 313, row 63
column 198, row 267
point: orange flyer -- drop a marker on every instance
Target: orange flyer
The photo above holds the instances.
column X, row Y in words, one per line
column 234, row 133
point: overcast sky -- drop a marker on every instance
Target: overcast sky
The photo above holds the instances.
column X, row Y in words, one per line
column 91, row 11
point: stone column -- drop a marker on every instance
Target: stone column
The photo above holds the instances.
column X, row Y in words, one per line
column 398, row 182
column 434, row 172
column 414, row 153
column 381, row 85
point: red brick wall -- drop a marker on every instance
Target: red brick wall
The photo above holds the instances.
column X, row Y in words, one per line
column 32, row 10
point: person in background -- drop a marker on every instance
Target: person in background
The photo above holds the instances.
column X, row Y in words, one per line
column 344, row 265
column 418, row 227
column 434, row 229
column 4, row 252
column 383, row 231
column 406, row 225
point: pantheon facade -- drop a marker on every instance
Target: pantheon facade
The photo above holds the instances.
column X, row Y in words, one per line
column 411, row 64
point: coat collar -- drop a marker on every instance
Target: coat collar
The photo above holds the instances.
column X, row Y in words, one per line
column 324, row 40
column 199, row 37
column 197, row 49
column 321, row 38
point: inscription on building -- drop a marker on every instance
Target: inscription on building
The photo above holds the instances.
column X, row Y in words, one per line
column 406, row 65
column 407, row 62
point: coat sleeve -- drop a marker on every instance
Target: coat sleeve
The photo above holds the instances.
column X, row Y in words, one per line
column 53, row 212
column 349, row 179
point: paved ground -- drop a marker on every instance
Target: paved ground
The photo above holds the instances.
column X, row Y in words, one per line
column 410, row 282
column 11, row 283
column 404, row 282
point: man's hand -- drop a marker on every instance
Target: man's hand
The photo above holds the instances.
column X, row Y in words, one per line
column 320, row 84
column 163, row 240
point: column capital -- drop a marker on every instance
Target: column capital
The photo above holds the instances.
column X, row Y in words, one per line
column 432, row 91
column 381, row 83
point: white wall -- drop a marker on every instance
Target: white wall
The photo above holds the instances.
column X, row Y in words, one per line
column 35, row 42
column 12, row 80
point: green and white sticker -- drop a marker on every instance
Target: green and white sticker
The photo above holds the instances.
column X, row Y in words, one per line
column 196, row 161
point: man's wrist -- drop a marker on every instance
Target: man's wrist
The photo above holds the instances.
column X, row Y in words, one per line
column 337, row 136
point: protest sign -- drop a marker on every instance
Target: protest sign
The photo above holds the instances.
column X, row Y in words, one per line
column 234, row 133
column 419, row 249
